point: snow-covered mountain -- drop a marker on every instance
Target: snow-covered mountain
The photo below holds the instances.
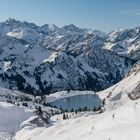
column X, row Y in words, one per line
column 47, row 59
column 125, row 42
column 118, row 120
column 69, row 61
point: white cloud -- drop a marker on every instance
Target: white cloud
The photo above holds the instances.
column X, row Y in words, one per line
column 133, row 12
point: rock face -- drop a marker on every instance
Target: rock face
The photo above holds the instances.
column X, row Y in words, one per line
column 125, row 42
column 135, row 93
column 125, row 90
column 46, row 59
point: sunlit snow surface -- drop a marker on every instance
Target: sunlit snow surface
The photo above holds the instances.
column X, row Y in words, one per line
column 120, row 120
column 10, row 119
column 120, row 124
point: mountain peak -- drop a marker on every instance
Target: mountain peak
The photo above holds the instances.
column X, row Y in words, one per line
column 11, row 21
column 71, row 27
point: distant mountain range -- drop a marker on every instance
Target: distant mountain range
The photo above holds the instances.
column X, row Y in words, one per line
column 43, row 60
column 94, row 78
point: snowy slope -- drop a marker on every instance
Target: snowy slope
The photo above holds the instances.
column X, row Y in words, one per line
column 128, row 88
column 114, row 125
column 120, row 121
column 14, row 117
column 10, row 119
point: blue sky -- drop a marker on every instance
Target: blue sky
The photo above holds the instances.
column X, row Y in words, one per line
column 104, row 15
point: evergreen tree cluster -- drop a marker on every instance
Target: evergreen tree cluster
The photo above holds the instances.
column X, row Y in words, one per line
column 94, row 109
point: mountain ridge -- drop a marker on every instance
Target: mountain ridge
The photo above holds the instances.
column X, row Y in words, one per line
column 47, row 59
